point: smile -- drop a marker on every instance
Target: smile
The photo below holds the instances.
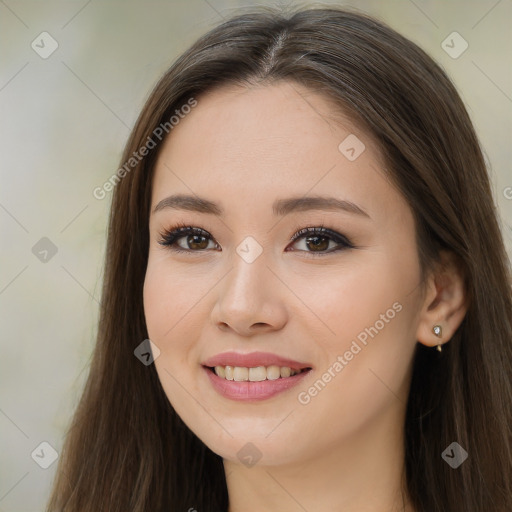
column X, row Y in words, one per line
column 253, row 376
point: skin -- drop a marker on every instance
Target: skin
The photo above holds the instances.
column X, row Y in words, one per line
column 244, row 148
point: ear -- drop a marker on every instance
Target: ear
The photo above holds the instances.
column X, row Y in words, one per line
column 445, row 302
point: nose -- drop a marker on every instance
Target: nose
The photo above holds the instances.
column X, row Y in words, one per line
column 251, row 300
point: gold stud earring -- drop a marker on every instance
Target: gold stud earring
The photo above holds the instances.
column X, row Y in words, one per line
column 438, row 331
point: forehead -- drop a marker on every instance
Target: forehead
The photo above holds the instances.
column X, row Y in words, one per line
column 249, row 144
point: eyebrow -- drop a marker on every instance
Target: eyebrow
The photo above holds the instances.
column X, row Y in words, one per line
column 280, row 206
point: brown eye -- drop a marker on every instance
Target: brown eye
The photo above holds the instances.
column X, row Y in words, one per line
column 196, row 239
column 316, row 241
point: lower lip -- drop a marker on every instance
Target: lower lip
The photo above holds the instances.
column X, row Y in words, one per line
column 252, row 391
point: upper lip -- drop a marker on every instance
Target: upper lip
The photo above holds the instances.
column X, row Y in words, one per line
column 253, row 360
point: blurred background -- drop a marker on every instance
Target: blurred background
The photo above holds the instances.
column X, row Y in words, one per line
column 74, row 75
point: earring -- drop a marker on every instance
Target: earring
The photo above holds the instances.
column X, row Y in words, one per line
column 438, row 331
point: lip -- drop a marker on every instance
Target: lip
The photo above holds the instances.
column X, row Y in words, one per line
column 247, row 391
column 253, row 360
column 253, row 391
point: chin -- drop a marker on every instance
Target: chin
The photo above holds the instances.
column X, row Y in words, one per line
column 249, row 447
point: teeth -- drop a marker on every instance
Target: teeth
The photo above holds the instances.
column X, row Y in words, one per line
column 240, row 374
column 285, row 371
column 273, row 372
column 257, row 374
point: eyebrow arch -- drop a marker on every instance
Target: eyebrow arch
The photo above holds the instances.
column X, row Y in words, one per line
column 280, row 207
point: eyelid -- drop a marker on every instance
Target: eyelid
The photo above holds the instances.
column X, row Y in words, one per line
column 300, row 230
column 170, row 236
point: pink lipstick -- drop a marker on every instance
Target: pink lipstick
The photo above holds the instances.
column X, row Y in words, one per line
column 255, row 376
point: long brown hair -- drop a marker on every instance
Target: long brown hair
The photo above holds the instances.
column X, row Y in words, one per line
column 127, row 449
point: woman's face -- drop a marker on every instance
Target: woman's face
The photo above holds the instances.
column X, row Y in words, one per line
column 340, row 307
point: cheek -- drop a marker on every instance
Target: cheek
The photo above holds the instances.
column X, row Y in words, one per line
column 376, row 346
column 365, row 375
column 175, row 297
column 366, row 362
column 172, row 296
column 168, row 309
column 340, row 302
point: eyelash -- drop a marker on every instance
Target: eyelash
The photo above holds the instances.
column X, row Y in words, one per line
column 181, row 230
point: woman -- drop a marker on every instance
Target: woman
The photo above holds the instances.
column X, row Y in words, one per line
column 303, row 226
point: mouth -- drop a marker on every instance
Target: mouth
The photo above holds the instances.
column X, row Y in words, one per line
column 253, row 377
